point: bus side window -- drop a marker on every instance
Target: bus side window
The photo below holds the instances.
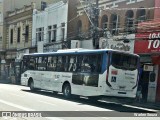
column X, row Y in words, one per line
column 85, row 67
column 79, row 63
column 65, row 63
column 25, row 65
column 75, row 64
column 42, row 63
column 71, row 63
column 32, row 64
column 93, row 62
column 54, row 62
column 99, row 63
column 51, row 64
column 60, row 66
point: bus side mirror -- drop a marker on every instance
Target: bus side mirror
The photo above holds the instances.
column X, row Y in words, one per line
column 152, row 77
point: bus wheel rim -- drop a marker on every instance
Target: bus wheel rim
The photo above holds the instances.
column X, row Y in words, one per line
column 67, row 91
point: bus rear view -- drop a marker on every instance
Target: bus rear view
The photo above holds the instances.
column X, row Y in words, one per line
column 122, row 74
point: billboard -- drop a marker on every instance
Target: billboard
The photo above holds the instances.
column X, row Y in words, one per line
column 118, row 43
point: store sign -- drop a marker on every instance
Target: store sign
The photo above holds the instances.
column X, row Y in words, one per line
column 147, row 43
column 148, row 68
column 52, row 48
column 120, row 45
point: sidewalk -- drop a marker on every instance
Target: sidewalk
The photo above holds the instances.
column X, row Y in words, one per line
column 149, row 105
column 5, row 81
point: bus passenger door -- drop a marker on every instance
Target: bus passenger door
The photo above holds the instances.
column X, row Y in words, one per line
column 77, row 83
column 85, row 84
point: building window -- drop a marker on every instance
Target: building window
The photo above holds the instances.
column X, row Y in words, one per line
column 79, row 28
column 114, row 24
column 114, row 5
column 104, row 22
column 129, row 22
column 54, row 33
column 141, row 15
column 49, row 33
column 130, row 1
column 11, row 36
column 62, row 31
column 40, row 34
column 18, row 35
column 27, row 33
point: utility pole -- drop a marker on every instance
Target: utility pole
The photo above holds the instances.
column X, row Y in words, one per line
column 95, row 34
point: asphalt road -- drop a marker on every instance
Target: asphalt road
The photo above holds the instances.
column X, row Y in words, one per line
column 24, row 105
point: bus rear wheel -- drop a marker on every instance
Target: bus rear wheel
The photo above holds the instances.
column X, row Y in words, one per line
column 67, row 91
column 31, row 85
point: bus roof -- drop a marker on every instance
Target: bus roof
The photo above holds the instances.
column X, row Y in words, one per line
column 80, row 51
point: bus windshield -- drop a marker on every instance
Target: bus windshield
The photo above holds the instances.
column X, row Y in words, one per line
column 124, row 61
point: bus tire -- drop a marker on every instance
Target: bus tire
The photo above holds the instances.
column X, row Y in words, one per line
column 31, row 85
column 67, row 90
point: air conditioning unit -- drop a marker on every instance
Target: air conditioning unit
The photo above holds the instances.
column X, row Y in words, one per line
column 75, row 44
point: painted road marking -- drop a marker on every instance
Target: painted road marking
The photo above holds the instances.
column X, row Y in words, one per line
column 152, row 110
column 16, row 95
column 25, row 109
column 15, row 105
column 46, row 103
column 105, row 118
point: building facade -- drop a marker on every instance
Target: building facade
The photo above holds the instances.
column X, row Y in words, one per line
column 54, row 27
column 118, row 17
column 18, row 37
column 16, row 31
column 125, row 25
column 11, row 5
column 147, row 45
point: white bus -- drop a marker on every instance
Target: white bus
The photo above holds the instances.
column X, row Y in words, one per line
column 82, row 72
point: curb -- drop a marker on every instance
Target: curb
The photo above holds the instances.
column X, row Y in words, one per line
column 155, row 106
column 5, row 81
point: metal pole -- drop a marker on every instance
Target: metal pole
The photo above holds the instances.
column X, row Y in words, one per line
column 97, row 14
column 96, row 32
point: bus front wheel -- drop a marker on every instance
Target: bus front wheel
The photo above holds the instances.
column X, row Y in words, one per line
column 67, row 91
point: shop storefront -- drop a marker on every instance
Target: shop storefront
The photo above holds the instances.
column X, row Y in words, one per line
column 147, row 45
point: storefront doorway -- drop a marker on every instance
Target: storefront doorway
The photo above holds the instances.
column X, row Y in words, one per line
column 158, row 87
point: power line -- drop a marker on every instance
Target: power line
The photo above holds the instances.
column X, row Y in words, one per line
column 86, row 13
column 141, row 8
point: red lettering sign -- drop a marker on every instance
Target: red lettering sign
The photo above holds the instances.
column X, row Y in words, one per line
column 147, row 42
